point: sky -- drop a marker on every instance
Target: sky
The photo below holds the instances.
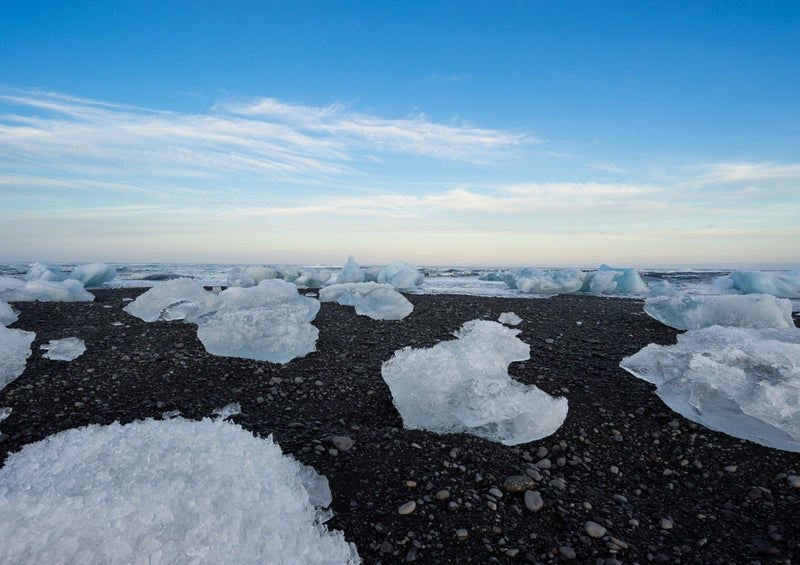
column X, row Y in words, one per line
column 533, row 133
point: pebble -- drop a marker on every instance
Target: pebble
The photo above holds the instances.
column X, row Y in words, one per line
column 518, row 483
column 794, row 480
column 462, row 534
column 594, row 529
column 342, row 443
column 730, row 468
column 665, row 524
column 533, row 500
column 544, row 463
column 567, row 552
column 496, row 492
column 407, row 508
column 443, row 494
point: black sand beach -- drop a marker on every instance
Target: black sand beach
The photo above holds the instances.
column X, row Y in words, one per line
column 657, row 487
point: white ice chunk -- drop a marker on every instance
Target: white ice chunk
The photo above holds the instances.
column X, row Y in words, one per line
column 93, row 275
column 538, row 281
column 741, row 381
column 176, row 299
column 5, row 412
column 401, row 275
column 703, row 311
column 42, row 271
column 350, row 273
column 10, row 283
column 7, row 314
column 69, row 290
column 228, row 410
column 378, row 301
column 625, row 281
column 164, row 491
column 301, row 276
column 250, row 276
column 15, row 348
column 65, row 349
column 784, row 284
column 509, row 319
column 464, row 386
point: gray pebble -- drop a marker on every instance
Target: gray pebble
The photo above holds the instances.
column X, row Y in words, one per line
column 594, row 529
column 518, row 483
column 794, row 480
column 533, row 500
column 462, row 533
column 567, row 552
column 342, row 443
column 407, row 508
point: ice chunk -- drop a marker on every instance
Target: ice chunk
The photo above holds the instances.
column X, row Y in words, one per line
column 703, row 311
column 250, row 276
column 783, row 285
column 7, row 314
column 15, row 348
column 464, row 386
column 350, row 273
column 401, row 275
column 741, row 381
column 42, row 271
column 93, row 274
column 304, row 276
column 625, row 281
column 176, row 299
column 10, row 283
column 69, row 290
column 228, row 410
column 378, row 301
column 538, row 281
column 164, row 491
column 65, row 349
column 509, row 319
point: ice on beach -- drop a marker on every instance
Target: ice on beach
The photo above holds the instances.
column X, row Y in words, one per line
column 304, row 276
column 744, row 382
column 783, row 285
column 42, row 271
column 509, row 319
column 401, row 275
column 250, row 276
column 15, row 348
column 69, row 290
column 619, row 281
column 350, row 273
column 176, row 299
column 65, row 349
column 268, row 322
column 377, row 301
column 463, row 385
column 93, row 274
column 702, row 311
column 538, row 281
column 7, row 314
column 164, row 491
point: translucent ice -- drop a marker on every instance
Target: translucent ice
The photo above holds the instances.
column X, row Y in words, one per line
column 378, row 301
column 15, row 348
column 538, row 281
column 93, row 274
column 164, row 491
column 401, row 275
column 7, row 314
column 69, row 290
column 702, row 311
column 741, row 381
column 621, row 281
column 509, row 319
column 784, row 285
column 42, row 271
column 250, row 276
column 350, row 273
column 464, row 386
column 176, row 299
column 65, row 349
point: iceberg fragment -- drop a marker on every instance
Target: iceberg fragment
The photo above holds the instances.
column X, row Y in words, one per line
column 702, row 311
column 65, row 349
column 538, row 281
column 69, row 290
column 15, row 348
column 783, row 285
column 175, row 299
column 7, row 314
column 377, row 301
column 401, row 275
column 93, row 275
column 350, row 273
column 464, row 386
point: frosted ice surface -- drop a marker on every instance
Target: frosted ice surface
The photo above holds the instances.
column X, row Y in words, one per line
column 378, row 301
column 463, row 385
column 7, row 314
column 784, row 285
column 93, row 274
column 10, row 283
column 69, row 290
column 744, row 382
column 702, row 311
column 164, row 491
column 15, row 348
column 401, row 275
column 538, row 281
column 176, row 299
column 250, row 276
column 42, row 271
column 65, row 349
column 350, row 273
column 509, row 319
column 625, row 281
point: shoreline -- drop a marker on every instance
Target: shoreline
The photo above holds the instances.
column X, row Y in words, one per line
column 664, row 489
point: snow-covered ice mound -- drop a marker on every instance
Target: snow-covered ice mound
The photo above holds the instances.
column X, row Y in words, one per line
column 378, row 301
column 784, row 285
column 69, row 290
column 65, row 349
column 176, row 299
column 15, row 348
column 171, row 491
column 741, row 381
column 463, row 385
column 702, row 311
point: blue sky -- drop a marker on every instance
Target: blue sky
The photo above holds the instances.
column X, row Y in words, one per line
column 496, row 133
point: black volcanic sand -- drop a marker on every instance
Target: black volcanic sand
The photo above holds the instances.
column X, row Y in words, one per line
column 665, row 489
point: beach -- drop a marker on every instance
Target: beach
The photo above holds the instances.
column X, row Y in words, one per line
column 624, row 480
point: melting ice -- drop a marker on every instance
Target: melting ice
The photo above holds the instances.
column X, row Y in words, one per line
column 15, row 348
column 701, row 311
column 377, row 301
column 65, row 349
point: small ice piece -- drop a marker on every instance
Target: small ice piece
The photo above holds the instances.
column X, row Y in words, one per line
column 5, row 412
column 15, row 348
column 350, row 273
column 783, row 284
column 702, row 311
column 377, row 301
column 93, row 275
column 169, row 414
column 463, row 385
column 744, row 382
column 401, row 275
column 7, row 314
column 538, row 281
column 164, row 491
column 176, row 299
column 509, row 319
column 65, row 349
column 227, row 411
column 69, row 290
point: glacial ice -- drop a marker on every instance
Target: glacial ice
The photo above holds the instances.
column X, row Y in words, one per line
column 15, row 348
column 164, row 491
column 42, row 271
column 250, row 276
column 605, row 280
column 69, row 290
column 377, row 301
column 625, row 281
column 702, row 311
column 7, row 314
column 463, row 385
column 783, row 285
column 509, row 319
column 65, row 349
column 176, row 299
column 401, row 275
column 350, row 273
column 744, row 382
column 93, row 275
